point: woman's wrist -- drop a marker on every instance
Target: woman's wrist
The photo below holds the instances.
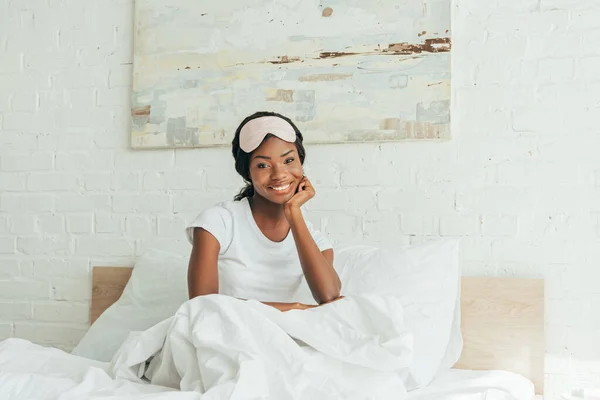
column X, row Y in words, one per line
column 292, row 212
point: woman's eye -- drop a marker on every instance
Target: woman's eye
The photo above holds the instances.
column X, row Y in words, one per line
column 262, row 165
column 289, row 160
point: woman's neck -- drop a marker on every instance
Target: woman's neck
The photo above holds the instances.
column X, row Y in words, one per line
column 266, row 212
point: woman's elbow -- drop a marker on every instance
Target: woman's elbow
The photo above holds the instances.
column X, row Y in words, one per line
column 329, row 297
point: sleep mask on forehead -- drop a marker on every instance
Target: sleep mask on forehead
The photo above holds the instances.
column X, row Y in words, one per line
column 255, row 130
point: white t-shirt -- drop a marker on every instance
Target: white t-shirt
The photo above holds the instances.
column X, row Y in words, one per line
column 251, row 266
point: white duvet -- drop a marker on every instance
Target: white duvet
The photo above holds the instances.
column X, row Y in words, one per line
column 218, row 347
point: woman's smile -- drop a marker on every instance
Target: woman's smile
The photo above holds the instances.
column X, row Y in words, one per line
column 281, row 188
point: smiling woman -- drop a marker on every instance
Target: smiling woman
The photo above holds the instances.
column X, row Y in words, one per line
column 259, row 246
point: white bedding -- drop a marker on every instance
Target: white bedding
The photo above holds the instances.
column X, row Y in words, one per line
column 218, row 347
column 457, row 384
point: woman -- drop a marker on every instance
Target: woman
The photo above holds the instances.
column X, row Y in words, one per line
column 258, row 246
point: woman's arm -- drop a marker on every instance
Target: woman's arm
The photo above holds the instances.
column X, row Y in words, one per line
column 324, row 283
column 323, row 280
column 203, row 271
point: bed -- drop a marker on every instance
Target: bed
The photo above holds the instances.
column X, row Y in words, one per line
column 502, row 323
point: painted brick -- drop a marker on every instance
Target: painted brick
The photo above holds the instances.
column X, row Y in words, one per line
column 195, row 203
column 376, row 223
column 151, row 203
column 78, row 161
column 70, row 267
column 376, row 174
column 44, row 245
column 171, row 225
column 496, row 199
column 6, row 330
column 460, row 225
column 120, row 75
column 11, row 63
column 80, row 97
column 97, row 181
column 475, row 248
column 553, row 70
column 26, row 162
column 587, row 69
column 126, row 181
column 7, row 245
column 22, row 223
column 414, row 199
column 76, row 289
column 28, row 122
column 138, row 226
column 47, row 182
column 83, row 223
column 25, row 289
column 197, row 159
column 109, row 223
column 60, row 311
column 107, row 247
column 24, row 101
column 13, row 181
column 83, row 77
column 499, row 225
column 183, row 180
column 74, row 142
column 14, row 141
column 116, row 96
column 144, row 160
column 224, row 178
column 47, row 142
column 26, row 268
column 51, row 223
column 15, row 310
column 153, row 180
column 422, row 225
column 83, row 203
column 4, row 225
column 177, row 245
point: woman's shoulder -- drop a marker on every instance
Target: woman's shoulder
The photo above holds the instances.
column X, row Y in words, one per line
column 218, row 219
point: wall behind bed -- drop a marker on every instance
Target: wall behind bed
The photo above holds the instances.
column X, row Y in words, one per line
column 520, row 180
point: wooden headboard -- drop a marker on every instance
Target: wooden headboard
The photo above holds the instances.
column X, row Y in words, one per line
column 502, row 320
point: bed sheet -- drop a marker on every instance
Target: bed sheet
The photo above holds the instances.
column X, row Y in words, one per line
column 30, row 371
column 456, row 384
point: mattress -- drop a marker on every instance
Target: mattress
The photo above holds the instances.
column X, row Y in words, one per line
column 458, row 384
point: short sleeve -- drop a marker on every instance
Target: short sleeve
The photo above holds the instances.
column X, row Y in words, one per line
column 216, row 220
column 320, row 238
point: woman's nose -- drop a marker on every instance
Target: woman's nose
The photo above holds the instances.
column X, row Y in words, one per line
column 277, row 172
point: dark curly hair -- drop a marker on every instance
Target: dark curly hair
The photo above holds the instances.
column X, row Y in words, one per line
column 242, row 159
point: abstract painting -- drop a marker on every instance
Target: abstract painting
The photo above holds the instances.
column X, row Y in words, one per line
column 343, row 70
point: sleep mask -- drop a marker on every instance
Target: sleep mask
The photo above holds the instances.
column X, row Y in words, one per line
column 254, row 131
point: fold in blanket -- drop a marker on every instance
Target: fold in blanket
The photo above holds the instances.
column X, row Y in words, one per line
column 225, row 348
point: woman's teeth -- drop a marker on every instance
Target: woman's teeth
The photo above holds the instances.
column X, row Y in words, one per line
column 279, row 188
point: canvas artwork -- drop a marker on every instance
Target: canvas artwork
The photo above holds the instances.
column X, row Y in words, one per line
column 343, row 70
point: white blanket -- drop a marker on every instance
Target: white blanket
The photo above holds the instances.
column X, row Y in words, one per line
column 355, row 348
column 218, row 347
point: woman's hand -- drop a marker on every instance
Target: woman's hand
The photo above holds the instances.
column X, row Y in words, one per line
column 301, row 306
column 305, row 192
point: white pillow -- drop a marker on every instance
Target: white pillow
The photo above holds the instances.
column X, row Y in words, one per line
column 426, row 278
column 156, row 289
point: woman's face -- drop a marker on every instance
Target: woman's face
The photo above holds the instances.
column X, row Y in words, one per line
column 275, row 170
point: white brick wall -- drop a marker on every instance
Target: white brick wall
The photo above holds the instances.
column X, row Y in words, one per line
column 520, row 180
